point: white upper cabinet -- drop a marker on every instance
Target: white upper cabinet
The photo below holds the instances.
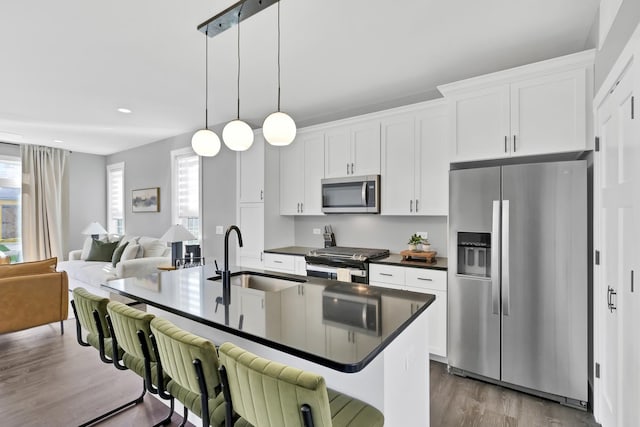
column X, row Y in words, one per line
column 415, row 164
column 301, row 169
column 540, row 108
column 352, row 150
column 251, row 172
column 548, row 114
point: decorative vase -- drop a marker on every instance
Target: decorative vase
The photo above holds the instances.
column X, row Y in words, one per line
column 426, row 248
column 412, row 247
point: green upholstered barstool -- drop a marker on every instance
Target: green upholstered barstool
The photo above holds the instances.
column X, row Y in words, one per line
column 270, row 394
column 130, row 329
column 90, row 311
column 192, row 363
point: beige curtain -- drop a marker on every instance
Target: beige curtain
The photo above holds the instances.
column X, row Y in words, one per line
column 42, row 175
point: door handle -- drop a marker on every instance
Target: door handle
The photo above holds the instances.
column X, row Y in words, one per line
column 347, row 168
column 505, row 143
column 416, row 205
column 261, row 194
column 514, row 143
column 364, row 193
column 298, row 208
column 505, row 258
column 301, row 207
column 610, row 294
column 351, row 168
column 410, row 205
column 241, row 321
column 495, row 258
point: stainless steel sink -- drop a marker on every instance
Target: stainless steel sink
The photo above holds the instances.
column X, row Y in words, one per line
column 263, row 282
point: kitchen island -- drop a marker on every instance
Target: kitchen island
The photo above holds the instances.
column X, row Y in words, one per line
column 368, row 342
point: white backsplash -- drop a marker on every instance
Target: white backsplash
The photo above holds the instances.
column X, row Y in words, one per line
column 373, row 231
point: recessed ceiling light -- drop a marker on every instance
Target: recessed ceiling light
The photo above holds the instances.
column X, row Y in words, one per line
column 124, row 110
column 58, row 141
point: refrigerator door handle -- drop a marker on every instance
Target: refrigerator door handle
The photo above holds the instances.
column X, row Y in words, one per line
column 495, row 258
column 505, row 257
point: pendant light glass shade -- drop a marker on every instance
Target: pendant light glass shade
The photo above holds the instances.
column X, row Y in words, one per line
column 279, row 129
column 237, row 135
column 205, row 143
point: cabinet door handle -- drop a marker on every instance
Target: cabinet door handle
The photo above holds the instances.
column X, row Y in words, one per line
column 298, row 208
column 416, row 205
column 301, row 207
column 262, row 303
column 351, row 168
column 514, row 143
column 386, row 274
column 410, row 205
column 505, row 143
column 610, row 294
column 277, row 261
column 347, row 168
column 261, row 256
column 261, row 194
column 241, row 321
column 425, row 279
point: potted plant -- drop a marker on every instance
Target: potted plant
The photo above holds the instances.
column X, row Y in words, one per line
column 414, row 241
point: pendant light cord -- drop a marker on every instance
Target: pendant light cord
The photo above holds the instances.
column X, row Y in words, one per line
column 278, row 55
column 239, row 13
column 206, row 79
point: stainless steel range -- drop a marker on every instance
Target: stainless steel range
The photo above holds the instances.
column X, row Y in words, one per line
column 343, row 263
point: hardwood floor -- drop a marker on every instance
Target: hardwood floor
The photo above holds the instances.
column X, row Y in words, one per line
column 457, row 401
column 49, row 380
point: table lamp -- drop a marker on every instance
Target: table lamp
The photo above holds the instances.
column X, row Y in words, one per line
column 176, row 235
column 95, row 230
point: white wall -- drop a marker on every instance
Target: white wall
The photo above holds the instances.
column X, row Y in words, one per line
column 150, row 166
column 86, row 201
column 623, row 26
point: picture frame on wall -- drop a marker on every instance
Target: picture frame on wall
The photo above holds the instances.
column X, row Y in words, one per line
column 145, row 200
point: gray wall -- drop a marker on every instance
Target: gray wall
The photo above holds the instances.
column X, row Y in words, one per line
column 86, row 202
column 150, row 166
column 623, row 26
column 373, row 231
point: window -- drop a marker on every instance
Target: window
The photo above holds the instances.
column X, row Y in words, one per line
column 185, row 191
column 10, row 203
column 115, row 198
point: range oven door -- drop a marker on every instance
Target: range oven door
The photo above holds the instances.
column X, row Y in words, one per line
column 331, row 273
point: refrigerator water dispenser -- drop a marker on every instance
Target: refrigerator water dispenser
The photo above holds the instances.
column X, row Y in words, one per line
column 474, row 254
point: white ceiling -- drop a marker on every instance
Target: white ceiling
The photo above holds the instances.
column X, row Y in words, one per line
column 67, row 65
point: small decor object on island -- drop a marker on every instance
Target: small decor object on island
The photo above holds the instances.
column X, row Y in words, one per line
column 414, row 241
column 145, row 200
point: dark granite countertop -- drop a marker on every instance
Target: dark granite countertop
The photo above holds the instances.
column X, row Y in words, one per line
column 308, row 318
column 396, row 259
column 290, row 250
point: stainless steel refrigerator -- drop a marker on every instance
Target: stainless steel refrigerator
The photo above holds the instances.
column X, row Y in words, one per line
column 518, row 277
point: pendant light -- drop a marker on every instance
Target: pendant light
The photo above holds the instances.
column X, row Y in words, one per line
column 237, row 135
column 279, row 128
column 205, row 142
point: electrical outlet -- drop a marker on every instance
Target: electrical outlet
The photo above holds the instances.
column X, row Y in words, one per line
column 219, row 229
column 317, row 231
column 424, row 234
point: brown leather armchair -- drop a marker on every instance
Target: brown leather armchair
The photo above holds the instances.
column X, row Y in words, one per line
column 32, row 294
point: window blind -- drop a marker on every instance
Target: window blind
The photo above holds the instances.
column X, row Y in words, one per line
column 115, row 198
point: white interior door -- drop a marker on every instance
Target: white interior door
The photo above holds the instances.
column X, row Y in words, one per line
column 616, row 165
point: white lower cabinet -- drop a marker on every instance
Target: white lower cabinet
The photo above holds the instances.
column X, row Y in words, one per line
column 422, row 280
column 292, row 264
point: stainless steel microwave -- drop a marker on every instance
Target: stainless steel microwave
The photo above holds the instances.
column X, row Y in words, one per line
column 352, row 194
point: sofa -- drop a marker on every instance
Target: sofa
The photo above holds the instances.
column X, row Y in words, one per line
column 32, row 294
column 142, row 255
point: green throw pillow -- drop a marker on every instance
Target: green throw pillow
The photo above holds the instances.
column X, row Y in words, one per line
column 102, row 251
column 117, row 254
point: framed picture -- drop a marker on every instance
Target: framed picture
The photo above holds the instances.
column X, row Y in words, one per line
column 145, row 200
